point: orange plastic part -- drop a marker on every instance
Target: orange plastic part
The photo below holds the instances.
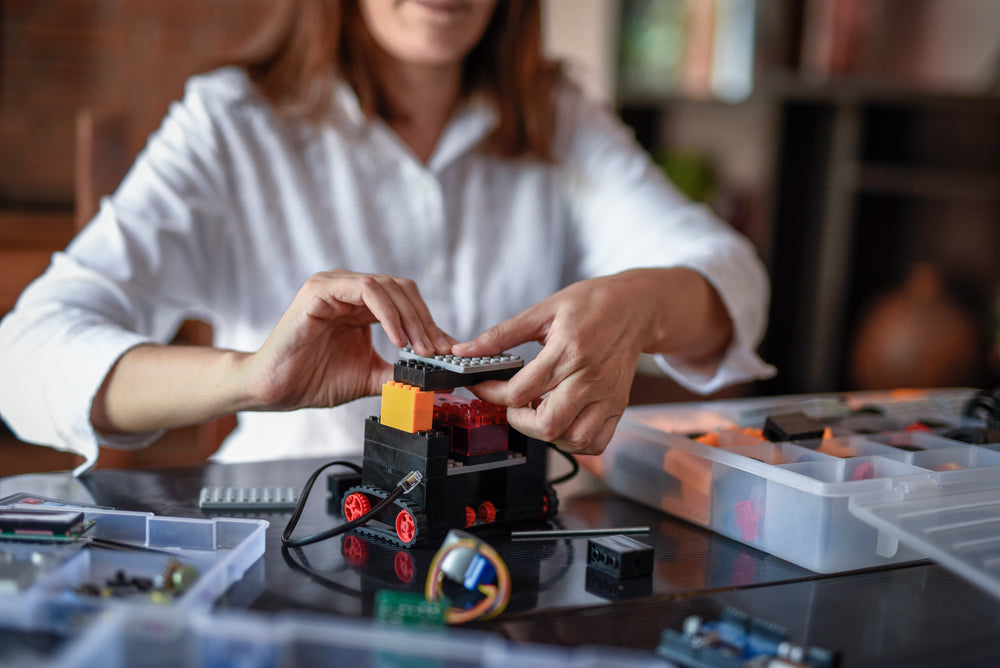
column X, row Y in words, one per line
column 407, row 407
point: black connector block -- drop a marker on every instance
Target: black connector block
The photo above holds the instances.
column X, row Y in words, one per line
column 620, row 556
column 338, row 484
column 432, row 377
column 607, row 586
column 791, row 427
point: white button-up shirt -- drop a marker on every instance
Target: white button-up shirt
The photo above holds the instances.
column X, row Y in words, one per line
column 231, row 207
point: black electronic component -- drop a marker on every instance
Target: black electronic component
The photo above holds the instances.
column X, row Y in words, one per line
column 620, row 556
column 791, row 427
column 41, row 524
column 736, row 640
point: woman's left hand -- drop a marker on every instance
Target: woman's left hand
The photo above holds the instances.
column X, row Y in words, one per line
column 575, row 391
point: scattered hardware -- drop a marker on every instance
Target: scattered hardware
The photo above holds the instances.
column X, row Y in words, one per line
column 620, row 556
column 472, row 575
column 736, row 640
column 42, row 525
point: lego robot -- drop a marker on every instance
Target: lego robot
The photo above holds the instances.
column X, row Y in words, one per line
column 476, row 470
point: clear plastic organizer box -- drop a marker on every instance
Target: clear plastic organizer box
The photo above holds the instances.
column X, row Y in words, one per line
column 838, row 503
column 153, row 637
column 56, row 586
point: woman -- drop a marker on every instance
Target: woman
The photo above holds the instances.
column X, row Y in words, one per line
column 427, row 151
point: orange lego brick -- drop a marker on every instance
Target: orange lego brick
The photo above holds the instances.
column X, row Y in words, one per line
column 407, row 407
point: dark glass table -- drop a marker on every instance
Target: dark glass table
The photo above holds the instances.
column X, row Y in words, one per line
column 913, row 615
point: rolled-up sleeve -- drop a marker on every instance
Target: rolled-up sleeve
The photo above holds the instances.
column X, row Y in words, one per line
column 629, row 216
column 131, row 276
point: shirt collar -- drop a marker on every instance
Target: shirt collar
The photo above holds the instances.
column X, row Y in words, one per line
column 469, row 125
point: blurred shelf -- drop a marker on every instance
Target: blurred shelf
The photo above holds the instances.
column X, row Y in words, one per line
column 929, row 183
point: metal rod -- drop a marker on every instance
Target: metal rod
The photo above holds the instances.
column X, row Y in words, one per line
column 553, row 534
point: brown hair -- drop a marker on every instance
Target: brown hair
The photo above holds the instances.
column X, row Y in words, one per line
column 309, row 44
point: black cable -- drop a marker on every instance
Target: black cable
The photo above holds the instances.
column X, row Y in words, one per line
column 286, row 536
column 407, row 483
column 310, row 571
column 572, row 462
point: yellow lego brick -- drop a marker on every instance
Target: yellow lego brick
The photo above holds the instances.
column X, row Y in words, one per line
column 407, row 407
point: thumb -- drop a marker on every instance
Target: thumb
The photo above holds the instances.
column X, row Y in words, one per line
column 524, row 327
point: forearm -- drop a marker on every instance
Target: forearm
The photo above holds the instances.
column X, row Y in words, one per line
column 155, row 387
column 685, row 315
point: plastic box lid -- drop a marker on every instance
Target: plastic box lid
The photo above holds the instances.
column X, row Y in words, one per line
column 954, row 520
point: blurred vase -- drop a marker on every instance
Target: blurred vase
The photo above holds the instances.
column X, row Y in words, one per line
column 917, row 336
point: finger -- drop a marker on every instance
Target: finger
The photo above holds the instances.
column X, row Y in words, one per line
column 390, row 302
column 439, row 340
column 528, row 325
column 491, row 391
column 541, row 375
column 590, row 434
column 418, row 326
column 547, row 422
column 368, row 291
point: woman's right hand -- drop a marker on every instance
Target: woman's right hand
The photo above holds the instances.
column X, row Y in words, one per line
column 320, row 353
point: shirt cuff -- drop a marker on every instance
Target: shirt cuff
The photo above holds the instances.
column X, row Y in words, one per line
column 738, row 365
column 81, row 369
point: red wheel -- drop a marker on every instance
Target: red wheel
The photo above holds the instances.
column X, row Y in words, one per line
column 470, row 516
column 487, row 512
column 355, row 550
column 356, row 505
column 403, row 564
column 406, row 527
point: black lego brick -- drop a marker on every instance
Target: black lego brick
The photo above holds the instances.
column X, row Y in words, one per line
column 525, row 491
column 432, row 377
column 381, row 456
column 430, row 444
column 620, row 556
column 791, row 427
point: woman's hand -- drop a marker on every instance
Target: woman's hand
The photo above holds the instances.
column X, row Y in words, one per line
column 573, row 394
column 320, row 353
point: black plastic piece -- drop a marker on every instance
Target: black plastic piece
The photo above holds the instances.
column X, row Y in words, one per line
column 432, row 377
column 791, row 427
column 620, row 556
column 517, row 490
column 338, row 484
column 607, row 586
